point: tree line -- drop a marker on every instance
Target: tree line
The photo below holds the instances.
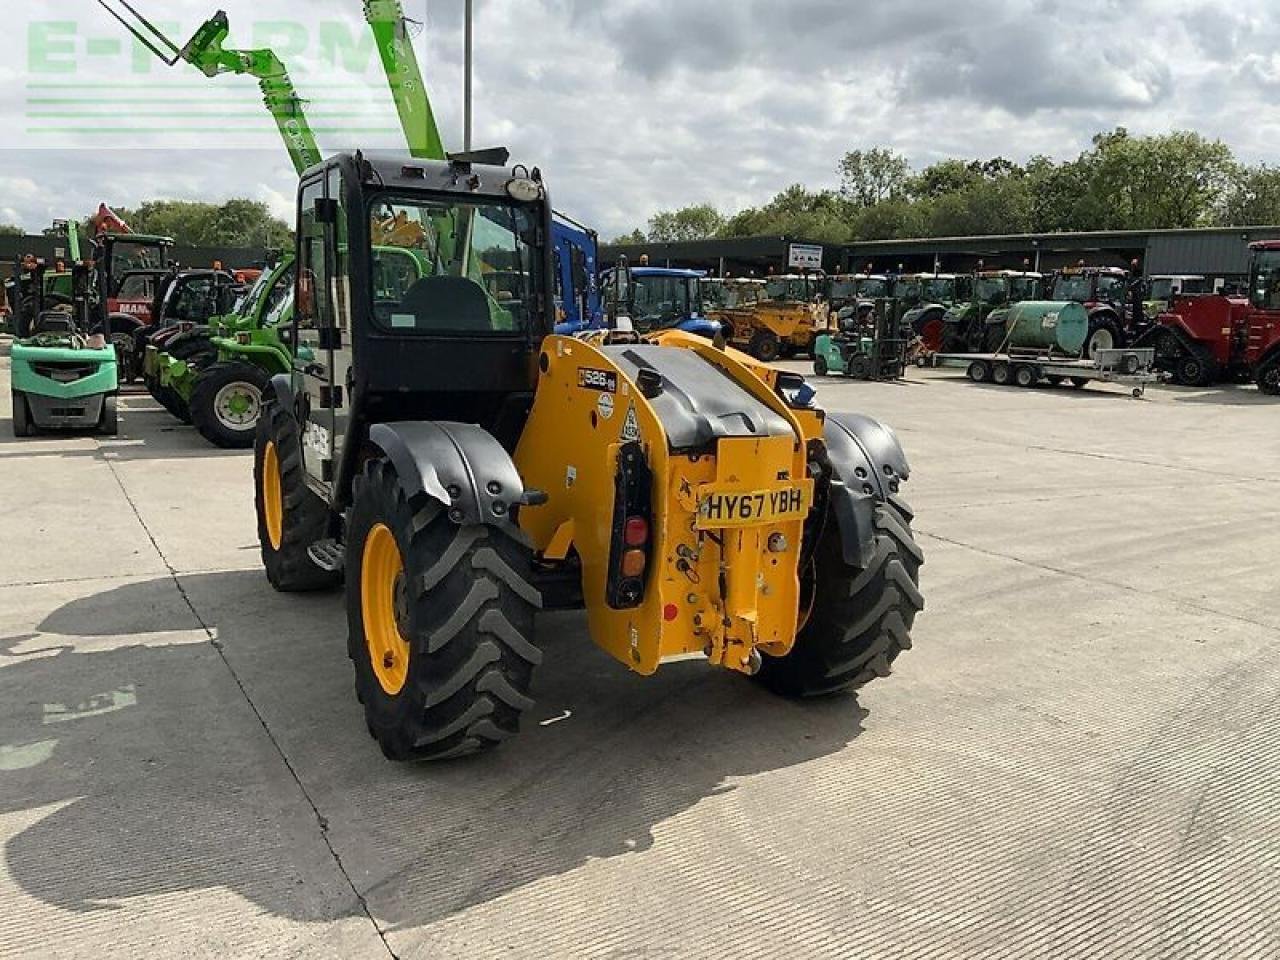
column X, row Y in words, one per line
column 235, row 223
column 1122, row 182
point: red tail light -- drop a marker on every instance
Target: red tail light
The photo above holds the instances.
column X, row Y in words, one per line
column 636, row 532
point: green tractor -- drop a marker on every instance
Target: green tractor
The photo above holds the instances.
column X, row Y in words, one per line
column 64, row 374
column 225, row 395
column 977, row 326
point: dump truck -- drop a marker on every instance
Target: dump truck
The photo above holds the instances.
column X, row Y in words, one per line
column 786, row 319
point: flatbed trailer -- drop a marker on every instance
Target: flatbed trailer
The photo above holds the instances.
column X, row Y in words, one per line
column 1027, row 368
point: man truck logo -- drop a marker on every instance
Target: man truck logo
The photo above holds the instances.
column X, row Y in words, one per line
column 589, row 379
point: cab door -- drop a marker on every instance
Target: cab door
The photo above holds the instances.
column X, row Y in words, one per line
column 314, row 322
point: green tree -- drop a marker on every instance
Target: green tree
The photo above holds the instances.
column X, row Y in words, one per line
column 235, row 223
column 688, row 223
column 1253, row 199
column 868, row 177
column 635, row 236
column 11, row 230
column 1139, row 183
column 896, row 219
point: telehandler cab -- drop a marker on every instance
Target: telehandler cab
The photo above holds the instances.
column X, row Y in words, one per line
column 463, row 466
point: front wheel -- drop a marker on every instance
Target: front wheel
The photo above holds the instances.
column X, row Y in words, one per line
column 820, row 365
column 227, row 402
column 765, row 346
column 22, row 423
column 109, row 419
column 860, row 619
column 1269, row 377
column 440, row 624
column 290, row 516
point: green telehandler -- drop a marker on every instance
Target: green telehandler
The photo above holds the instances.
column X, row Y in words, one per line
column 217, row 380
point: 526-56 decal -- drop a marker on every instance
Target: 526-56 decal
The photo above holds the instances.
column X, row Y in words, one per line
column 605, row 381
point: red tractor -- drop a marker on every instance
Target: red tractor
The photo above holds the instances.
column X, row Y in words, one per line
column 1204, row 340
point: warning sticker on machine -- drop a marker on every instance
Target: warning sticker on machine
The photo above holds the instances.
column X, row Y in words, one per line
column 630, row 426
column 590, row 379
column 605, row 406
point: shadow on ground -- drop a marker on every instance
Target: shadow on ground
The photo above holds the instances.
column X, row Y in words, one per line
column 170, row 786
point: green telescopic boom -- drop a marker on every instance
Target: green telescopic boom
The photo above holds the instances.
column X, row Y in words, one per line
column 206, row 53
column 404, row 77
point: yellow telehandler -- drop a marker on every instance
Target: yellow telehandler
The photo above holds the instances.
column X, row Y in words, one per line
column 462, row 467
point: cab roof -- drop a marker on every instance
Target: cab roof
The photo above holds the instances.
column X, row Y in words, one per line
column 668, row 272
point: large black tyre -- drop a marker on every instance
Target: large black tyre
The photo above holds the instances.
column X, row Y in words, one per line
column 820, row 365
column 456, row 603
column 860, row 620
column 23, row 426
column 109, row 419
column 198, row 353
column 290, row 516
column 1196, row 369
column 765, row 346
column 1268, row 376
column 226, row 403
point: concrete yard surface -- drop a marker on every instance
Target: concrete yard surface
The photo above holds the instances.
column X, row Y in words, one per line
column 1079, row 757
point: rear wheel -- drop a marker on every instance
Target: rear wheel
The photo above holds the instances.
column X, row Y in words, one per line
column 1025, row 376
column 290, row 517
column 820, row 365
column 765, row 346
column 860, row 619
column 227, row 402
column 440, row 624
column 22, row 423
column 979, row 371
column 1000, row 374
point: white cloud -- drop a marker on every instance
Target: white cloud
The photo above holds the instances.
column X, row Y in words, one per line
column 637, row 105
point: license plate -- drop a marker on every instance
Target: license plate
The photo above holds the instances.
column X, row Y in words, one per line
column 749, row 508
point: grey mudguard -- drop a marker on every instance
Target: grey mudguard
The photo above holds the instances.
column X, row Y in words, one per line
column 458, row 464
column 870, row 466
column 281, row 387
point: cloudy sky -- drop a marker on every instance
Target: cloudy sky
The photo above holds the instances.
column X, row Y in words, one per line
column 630, row 106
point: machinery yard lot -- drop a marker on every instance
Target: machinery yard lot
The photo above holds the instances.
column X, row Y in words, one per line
column 1078, row 758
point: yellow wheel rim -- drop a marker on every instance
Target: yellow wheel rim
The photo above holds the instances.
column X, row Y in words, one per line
column 382, row 608
column 272, row 496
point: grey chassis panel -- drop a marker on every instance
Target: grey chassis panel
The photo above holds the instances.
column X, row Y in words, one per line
column 870, row 465
column 42, row 414
column 460, row 465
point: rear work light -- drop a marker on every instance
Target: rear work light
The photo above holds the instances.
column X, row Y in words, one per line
column 630, row 540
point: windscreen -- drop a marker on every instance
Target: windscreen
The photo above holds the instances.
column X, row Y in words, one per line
column 1265, row 288
column 993, row 289
column 443, row 267
column 661, row 301
column 1072, row 287
column 130, row 255
column 940, row 290
column 873, row 288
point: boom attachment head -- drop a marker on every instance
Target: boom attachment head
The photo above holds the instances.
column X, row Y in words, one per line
column 147, row 34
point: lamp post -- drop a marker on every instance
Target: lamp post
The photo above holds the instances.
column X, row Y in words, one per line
column 466, row 108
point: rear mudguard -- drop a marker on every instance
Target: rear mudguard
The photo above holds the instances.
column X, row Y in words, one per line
column 869, row 466
column 460, row 465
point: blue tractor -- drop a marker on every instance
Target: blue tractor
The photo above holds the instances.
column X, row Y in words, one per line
column 577, row 291
column 659, row 298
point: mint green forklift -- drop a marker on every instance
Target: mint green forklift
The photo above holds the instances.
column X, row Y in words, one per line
column 64, row 373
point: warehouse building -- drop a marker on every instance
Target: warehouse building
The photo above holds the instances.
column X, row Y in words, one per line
column 1219, row 253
